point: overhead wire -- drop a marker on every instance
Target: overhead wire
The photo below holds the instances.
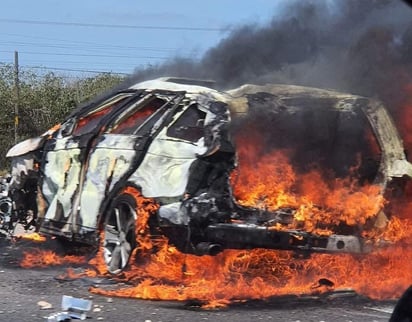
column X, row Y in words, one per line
column 114, row 26
column 76, row 47
column 85, row 55
column 86, row 70
column 89, row 51
column 99, row 45
column 74, row 70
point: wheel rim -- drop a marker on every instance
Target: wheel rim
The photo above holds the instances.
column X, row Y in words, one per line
column 119, row 237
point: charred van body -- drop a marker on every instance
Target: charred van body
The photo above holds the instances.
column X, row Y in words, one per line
column 175, row 144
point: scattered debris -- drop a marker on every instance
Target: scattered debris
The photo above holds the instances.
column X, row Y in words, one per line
column 44, row 305
column 324, row 282
column 73, row 308
column 58, row 317
column 385, row 309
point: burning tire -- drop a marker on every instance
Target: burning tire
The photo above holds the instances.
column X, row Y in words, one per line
column 119, row 233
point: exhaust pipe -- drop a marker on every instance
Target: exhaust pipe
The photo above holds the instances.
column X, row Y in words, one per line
column 205, row 248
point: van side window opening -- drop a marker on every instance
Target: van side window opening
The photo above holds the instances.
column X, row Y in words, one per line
column 88, row 122
column 130, row 124
column 189, row 126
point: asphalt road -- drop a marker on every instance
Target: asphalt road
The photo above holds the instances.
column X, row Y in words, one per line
column 22, row 289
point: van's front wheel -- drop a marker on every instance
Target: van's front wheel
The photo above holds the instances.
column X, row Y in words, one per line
column 119, row 233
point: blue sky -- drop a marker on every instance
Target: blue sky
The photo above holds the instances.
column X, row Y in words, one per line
column 65, row 35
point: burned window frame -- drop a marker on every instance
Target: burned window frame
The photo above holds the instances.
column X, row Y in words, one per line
column 173, row 128
column 70, row 126
column 136, row 106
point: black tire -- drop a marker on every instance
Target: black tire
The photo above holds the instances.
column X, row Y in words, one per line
column 119, row 238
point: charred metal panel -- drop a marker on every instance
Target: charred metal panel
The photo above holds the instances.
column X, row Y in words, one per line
column 59, row 187
column 21, row 166
column 165, row 168
column 394, row 163
column 107, row 164
column 25, row 157
column 185, row 168
column 240, row 236
column 288, row 100
column 164, row 176
column 25, row 147
column 173, row 213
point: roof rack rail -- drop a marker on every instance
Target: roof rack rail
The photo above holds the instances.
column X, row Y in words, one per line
column 191, row 81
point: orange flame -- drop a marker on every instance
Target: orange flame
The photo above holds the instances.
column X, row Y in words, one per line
column 32, row 236
column 258, row 274
column 46, row 258
column 269, row 182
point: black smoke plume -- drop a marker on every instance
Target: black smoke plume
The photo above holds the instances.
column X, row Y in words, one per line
column 360, row 46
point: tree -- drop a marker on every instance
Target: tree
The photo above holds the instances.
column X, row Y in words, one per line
column 45, row 99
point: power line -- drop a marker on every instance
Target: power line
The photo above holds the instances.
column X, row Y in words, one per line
column 85, row 55
column 98, row 25
column 80, row 65
column 74, row 70
column 83, row 62
column 75, row 46
column 65, row 69
column 99, row 45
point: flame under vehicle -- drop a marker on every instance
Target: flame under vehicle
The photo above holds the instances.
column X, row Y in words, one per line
column 186, row 148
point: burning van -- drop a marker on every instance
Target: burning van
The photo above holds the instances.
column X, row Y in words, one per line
column 272, row 166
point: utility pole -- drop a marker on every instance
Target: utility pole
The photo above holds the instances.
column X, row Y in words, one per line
column 17, row 95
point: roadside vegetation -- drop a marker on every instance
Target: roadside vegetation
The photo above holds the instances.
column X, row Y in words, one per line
column 43, row 99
